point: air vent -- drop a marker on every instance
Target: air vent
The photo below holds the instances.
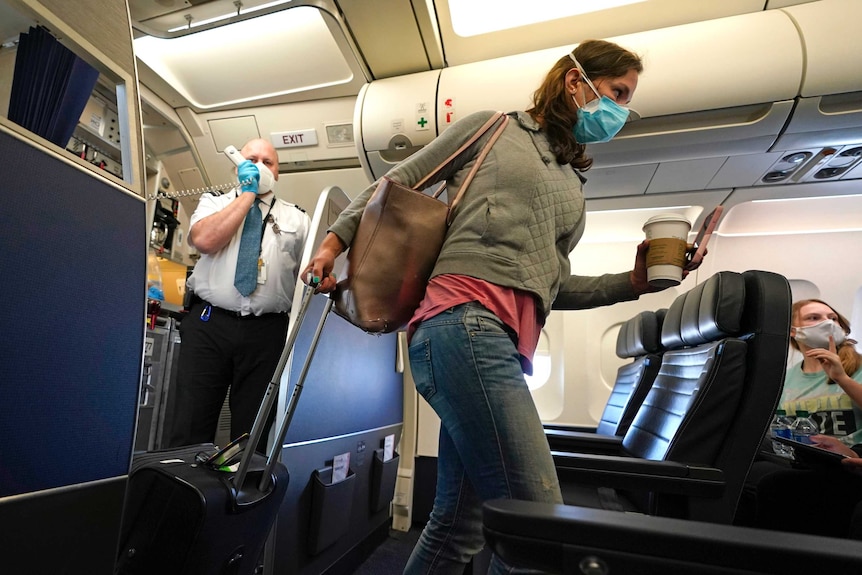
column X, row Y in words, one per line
column 834, row 166
column 786, row 167
column 819, row 165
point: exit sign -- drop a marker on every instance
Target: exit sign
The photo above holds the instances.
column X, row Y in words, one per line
column 294, row 139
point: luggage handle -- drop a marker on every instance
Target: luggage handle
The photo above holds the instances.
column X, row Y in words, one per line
column 247, row 497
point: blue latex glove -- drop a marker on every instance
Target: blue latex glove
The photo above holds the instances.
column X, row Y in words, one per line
column 249, row 176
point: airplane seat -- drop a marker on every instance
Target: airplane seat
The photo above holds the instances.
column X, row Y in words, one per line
column 639, row 339
column 563, row 539
column 695, row 436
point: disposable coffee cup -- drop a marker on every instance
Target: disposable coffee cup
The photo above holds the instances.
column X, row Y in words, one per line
column 667, row 235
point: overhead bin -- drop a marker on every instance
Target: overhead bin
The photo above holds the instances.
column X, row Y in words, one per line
column 723, row 100
column 713, row 88
column 833, row 44
column 393, row 118
column 830, row 110
column 709, row 89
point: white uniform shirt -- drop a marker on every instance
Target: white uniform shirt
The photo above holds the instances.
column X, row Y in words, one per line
column 213, row 276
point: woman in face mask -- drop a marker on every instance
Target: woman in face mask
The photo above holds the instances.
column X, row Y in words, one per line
column 503, row 267
column 826, row 383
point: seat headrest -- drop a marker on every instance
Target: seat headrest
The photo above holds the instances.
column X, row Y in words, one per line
column 709, row 311
column 641, row 334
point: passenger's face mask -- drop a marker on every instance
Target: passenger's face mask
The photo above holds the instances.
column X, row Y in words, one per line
column 817, row 335
column 267, row 180
column 599, row 120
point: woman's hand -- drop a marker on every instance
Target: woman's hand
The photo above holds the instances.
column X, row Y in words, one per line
column 829, row 361
column 639, row 273
column 690, row 265
column 319, row 271
column 853, row 463
column 833, row 444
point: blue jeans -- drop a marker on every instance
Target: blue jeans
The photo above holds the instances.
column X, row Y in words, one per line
column 492, row 444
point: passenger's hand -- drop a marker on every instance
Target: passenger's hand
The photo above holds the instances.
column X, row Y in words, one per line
column 248, row 176
column 829, row 360
column 639, row 273
column 853, row 463
column 318, row 273
column 689, row 252
column 321, row 284
column 833, row 444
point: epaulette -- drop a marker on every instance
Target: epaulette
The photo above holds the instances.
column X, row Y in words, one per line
column 299, row 208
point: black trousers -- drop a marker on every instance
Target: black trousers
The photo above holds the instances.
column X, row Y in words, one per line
column 223, row 354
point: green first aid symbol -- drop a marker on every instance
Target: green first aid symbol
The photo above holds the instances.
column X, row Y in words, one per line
column 422, row 122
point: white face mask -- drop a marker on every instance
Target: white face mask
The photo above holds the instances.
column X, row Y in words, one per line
column 267, row 180
column 817, row 335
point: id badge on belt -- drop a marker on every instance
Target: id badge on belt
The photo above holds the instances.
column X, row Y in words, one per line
column 261, row 271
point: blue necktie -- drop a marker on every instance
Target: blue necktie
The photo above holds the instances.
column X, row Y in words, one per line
column 245, row 279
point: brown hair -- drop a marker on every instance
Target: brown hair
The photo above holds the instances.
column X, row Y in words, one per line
column 552, row 105
column 851, row 360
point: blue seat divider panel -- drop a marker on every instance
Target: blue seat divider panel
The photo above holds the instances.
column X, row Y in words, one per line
column 73, row 269
column 351, row 384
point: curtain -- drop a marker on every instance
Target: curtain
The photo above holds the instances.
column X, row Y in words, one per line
column 50, row 86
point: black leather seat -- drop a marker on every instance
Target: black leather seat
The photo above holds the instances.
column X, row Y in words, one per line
column 575, row 540
column 639, row 339
column 696, row 434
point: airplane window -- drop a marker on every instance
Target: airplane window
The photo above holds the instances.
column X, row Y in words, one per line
column 474, row 17
column 541, row 364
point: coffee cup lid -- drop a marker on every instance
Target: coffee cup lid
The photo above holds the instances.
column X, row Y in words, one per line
column 667, row 218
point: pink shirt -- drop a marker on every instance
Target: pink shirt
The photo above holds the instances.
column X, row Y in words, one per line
column 515, row 308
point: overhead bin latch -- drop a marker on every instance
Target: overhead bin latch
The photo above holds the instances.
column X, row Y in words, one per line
column 399, row 148
column 399, row 142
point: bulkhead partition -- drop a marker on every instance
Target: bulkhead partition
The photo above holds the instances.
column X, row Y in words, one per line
column 351, row 401
column 73, row 265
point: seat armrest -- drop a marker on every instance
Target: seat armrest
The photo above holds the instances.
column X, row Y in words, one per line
column 555, row 538
column 639, row 474
column 583, row 441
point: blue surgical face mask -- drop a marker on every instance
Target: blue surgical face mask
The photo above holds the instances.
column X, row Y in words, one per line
column 599, row 120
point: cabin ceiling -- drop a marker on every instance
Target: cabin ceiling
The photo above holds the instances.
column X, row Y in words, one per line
column 357, row 41
column 328, row 50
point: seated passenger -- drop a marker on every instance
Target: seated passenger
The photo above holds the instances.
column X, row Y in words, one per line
column 828, row 384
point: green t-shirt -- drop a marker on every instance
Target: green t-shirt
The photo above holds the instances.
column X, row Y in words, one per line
column 828, row 405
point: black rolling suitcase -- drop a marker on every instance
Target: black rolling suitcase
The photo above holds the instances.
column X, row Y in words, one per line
column 188, row 513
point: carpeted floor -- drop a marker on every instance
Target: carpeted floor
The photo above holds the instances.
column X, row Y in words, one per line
column 391, row 556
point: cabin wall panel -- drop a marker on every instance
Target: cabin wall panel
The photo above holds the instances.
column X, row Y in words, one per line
column 267, row 120
column 303, row 188
column 813, row 257
column 590, row 361
column 104, row 23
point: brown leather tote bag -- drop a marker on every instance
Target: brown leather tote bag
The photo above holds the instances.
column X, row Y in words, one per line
column 397, row 243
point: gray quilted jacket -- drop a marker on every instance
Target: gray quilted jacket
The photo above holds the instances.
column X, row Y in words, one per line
column 517, row 222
